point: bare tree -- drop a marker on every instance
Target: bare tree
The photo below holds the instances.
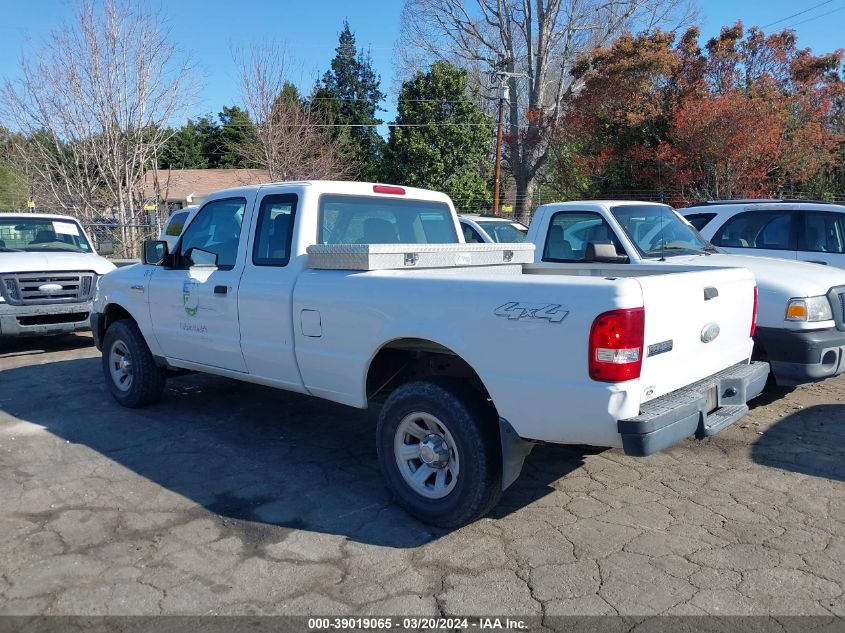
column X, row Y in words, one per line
column 288, row 141
column 94, row 103
column 537, row 42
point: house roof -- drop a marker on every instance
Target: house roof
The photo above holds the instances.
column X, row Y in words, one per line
column 181, row 184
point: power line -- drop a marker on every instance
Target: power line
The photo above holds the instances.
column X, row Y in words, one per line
column 789, row 17
column 404, row 100
column 816, row 17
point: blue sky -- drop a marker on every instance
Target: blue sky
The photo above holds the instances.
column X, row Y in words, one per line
column 207, row 29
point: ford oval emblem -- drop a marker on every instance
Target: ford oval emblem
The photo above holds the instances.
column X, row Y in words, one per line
column 710, row 332
column 50, row 289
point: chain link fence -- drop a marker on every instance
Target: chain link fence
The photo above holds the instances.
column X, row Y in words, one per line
column 120, row 241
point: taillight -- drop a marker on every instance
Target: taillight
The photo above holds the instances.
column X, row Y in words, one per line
column 754, row 314
column 616, row 345
column 398, row 191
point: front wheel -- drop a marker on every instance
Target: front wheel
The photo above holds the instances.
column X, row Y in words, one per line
column 438, row 449
column 130, row 370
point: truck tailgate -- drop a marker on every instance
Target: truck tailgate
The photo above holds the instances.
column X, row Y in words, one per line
column 697, row 324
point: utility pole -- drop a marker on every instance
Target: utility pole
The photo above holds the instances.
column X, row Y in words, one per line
column 503, row 77
column 503, row 97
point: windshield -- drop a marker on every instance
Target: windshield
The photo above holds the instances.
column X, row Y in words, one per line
column 504, row 232
column 657, row 231
column 41, row 235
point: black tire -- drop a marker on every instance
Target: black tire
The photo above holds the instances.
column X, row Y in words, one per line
column 472, row 424
column 147, row 378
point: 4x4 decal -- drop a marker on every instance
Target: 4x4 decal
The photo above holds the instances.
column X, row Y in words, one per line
column 516, row 310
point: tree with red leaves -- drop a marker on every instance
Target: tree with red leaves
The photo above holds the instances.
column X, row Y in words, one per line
column 750, row 115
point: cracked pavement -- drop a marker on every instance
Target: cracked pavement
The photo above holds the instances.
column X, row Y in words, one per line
column 228, row 498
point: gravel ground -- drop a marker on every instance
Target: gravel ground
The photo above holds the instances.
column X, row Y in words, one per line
column 235, row 499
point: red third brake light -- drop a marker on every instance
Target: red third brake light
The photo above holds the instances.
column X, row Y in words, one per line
column 398, row 191
column 616, row 345
column 754, row 314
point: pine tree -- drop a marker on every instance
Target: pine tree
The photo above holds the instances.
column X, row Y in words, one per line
column 236, row 132
column 184, row 150
column 349, row 95
column 449, row 148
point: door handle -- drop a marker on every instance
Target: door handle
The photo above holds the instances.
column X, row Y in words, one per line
column 815, row 261
column 220, row 290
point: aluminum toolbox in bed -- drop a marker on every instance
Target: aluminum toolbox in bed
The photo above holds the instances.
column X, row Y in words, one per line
column 407, row 256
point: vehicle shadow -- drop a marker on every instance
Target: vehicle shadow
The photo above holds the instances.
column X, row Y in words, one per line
column 256, row 455
column 31, row 345
column 810, row 441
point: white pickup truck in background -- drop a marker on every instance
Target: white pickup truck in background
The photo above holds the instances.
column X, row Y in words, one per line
column 48, row 272
column 801, row 315
column 361, row 294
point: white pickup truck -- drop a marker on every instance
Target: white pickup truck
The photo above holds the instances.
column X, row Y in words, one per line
column 361, row 293
column 801, row 317
column 48, row 271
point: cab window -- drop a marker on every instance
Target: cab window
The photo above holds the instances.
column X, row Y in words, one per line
column 700, row 220
column 175, row 224
column 505, row 232
column 215, row 229
column 275, row 230
column 571, row 231
column 371, row 220
column 471, row 236
column 823, row 232
column 771, row 230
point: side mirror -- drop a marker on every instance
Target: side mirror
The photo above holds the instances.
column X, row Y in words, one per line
column 155, row 252
column 603, row 252
column 105, row 247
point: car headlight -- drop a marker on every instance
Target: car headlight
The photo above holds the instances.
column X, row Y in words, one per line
column 809, row 309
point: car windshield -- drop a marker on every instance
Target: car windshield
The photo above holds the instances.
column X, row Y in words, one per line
column 505, row 232
column 41, row 235
column 657, row 231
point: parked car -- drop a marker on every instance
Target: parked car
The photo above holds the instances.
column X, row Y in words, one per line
column 484, row 229
column 801, row 315
column 361, row 294
column 789, row 229
column 175, row 224
column 48, row 273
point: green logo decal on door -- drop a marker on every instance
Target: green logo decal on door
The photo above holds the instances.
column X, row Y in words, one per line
column 190, row 298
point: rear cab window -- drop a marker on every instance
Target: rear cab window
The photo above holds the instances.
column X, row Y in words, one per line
column 371, row 220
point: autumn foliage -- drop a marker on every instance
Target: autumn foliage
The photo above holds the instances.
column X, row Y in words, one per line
column 750, row 115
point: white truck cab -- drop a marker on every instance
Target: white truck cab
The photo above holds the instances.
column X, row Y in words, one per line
column 366, row 294
column 801, row 313
column 48, row 273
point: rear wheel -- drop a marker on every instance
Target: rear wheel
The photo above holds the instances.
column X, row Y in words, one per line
column 438, row 450
column 130, row 370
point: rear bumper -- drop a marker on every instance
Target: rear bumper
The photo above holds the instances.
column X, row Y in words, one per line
column 799, row 357
column 669, row 419
column 39, row 320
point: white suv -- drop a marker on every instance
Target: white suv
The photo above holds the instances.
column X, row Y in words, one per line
column 789, row 229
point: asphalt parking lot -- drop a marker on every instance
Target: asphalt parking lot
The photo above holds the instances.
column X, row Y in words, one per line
column 228, row 498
